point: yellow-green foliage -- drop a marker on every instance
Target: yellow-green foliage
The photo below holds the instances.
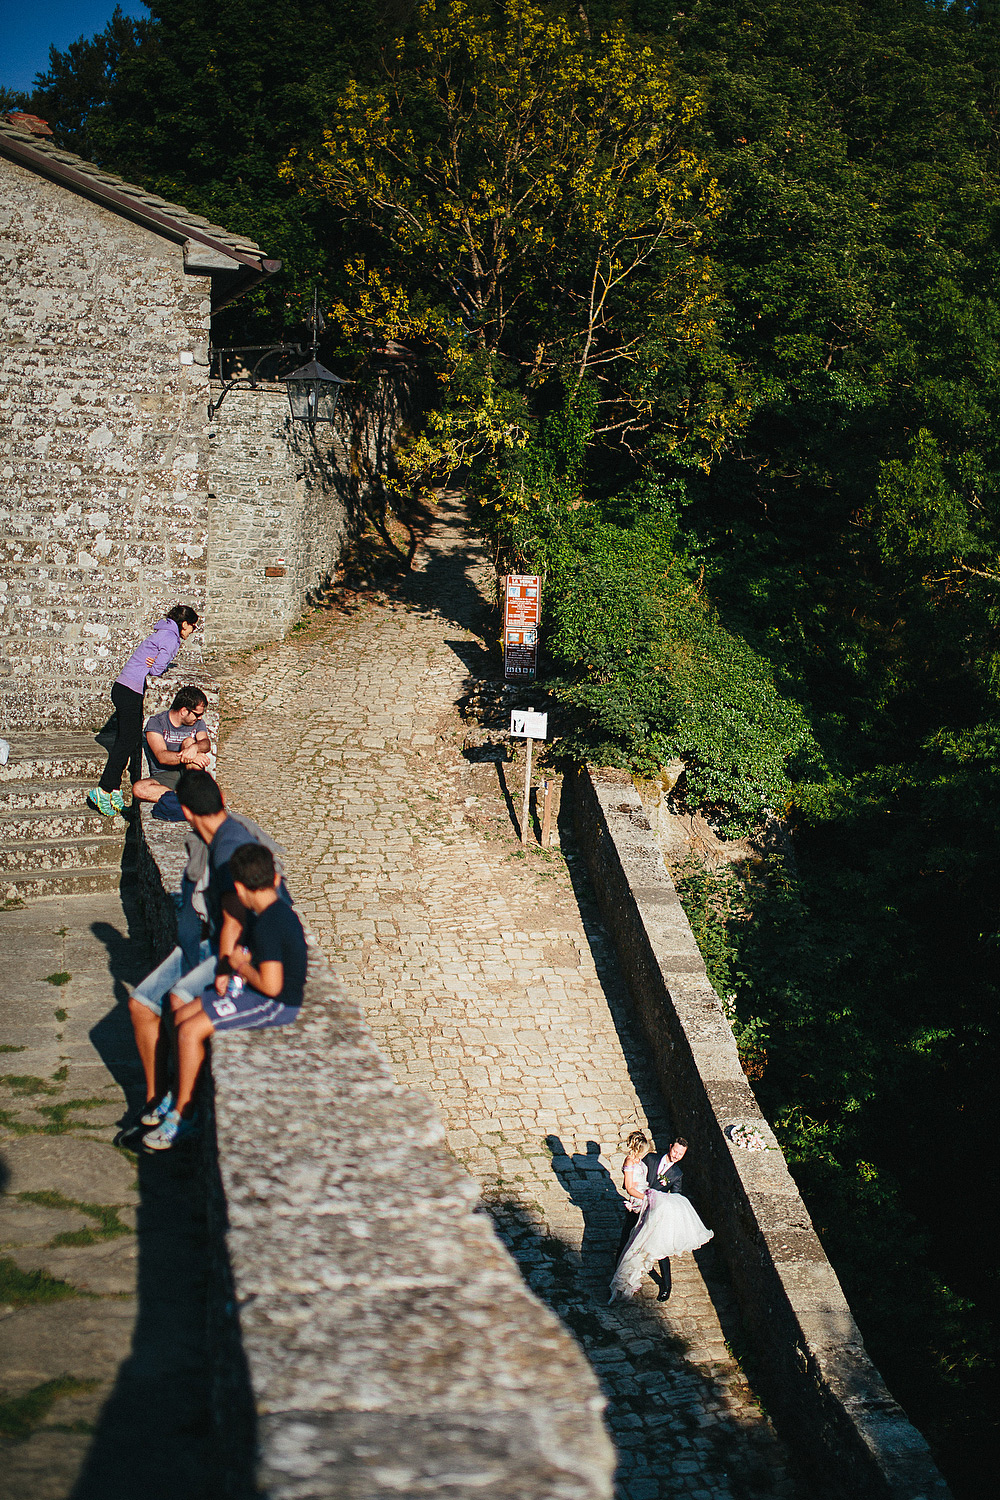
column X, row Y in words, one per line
column 516, row 187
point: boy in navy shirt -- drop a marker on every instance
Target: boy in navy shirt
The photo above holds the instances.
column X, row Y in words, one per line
column 271, row 961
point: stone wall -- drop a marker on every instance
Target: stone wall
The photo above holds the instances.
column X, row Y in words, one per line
column 810, row 1365
column 284, row 499
column 118, row 498
column 103, row 445
column 279, row 515
column 370, row 1334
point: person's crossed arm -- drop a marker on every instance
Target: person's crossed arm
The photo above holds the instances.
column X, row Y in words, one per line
column 195, row 750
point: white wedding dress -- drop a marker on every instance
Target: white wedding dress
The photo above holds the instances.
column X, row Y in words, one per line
column 668, row 1225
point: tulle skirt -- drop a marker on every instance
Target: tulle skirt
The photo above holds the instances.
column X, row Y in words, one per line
column 668, row 1226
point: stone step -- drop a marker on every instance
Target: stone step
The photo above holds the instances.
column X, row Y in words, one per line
column 67, row 796
column 54, row 755
column 60, row 854
column 30, row 885
column 29, row 824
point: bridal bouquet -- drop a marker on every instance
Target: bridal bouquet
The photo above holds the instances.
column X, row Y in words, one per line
column 748, row 1137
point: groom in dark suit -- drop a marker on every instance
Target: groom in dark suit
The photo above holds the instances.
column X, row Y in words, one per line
column 664, row 1175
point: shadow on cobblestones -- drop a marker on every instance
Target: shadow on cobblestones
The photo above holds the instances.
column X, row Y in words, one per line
column 152, row 1434
column 633, row 1047
column 679, row 1429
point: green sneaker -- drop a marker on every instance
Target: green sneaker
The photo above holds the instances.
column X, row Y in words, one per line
column 117, row 802
column 103, row 804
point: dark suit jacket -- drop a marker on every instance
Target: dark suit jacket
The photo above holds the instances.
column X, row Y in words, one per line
column 673, row 1174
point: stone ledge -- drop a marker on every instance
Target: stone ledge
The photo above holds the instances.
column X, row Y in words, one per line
column 371, row 1336
column 811, row 1367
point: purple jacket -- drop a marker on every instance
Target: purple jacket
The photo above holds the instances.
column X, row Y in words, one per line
column 162, row 645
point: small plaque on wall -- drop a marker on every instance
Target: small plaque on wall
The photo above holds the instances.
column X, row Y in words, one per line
column 275, row 572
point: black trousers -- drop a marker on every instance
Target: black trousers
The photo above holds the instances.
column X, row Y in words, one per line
column 128, row 738
column 631, row 1220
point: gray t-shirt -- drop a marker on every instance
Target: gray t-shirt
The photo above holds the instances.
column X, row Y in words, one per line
column 174, row 737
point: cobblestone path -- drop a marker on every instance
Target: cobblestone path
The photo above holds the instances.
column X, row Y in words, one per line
column 490, row 984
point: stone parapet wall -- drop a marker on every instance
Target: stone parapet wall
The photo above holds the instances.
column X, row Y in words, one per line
column 810, row 1365
column 371, row 1335
column 103, row 446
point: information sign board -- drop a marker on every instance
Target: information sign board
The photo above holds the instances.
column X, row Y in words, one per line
column 521, row 618
column 525, row 724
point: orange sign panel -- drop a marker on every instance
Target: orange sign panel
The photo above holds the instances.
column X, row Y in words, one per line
column 521, row 617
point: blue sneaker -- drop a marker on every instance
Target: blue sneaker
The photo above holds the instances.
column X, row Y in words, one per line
column 169, row 1132
column 117, row 802
column 159, row 1111
column 101, row 802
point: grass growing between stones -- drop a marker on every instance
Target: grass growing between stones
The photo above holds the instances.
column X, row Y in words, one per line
column 20, row 1415
column 108, row 1225
column 59, row 978
column 24, row 1288
column 24, row 1083
column 59, row 1117
column 7, row 1048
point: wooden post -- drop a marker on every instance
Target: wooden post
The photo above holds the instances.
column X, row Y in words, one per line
column 527, row 793
column 547, row 814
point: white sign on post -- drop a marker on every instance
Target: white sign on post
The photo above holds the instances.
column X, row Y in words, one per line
column 525, row 724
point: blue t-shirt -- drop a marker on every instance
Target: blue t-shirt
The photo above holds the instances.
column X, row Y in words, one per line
column 229, row 836
column 276, row 936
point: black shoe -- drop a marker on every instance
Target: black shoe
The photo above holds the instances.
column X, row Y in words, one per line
column 662, row 1296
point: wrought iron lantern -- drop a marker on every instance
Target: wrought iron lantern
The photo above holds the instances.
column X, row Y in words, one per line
column 312, row 392
column 312, row 388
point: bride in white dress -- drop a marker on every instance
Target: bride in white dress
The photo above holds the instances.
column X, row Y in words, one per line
column 667, row 1226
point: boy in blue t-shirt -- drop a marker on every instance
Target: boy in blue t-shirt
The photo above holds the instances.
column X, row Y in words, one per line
column 271, row 961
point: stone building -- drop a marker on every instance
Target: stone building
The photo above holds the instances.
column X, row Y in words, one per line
column 118, row 496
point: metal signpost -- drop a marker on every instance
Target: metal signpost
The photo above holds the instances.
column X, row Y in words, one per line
column 521, row 618
column 525, row 724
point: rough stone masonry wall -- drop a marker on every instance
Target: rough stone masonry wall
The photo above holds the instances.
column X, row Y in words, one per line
column 278, row 515
column 371, row 1336
column 811, row 1368
column 103, row 445
column 284, row 499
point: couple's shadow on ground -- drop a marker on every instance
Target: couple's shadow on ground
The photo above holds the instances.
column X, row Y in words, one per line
column 576, row 1287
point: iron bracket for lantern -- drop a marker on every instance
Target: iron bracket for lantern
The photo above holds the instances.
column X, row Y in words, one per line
column 312, row 388
column 250, row 379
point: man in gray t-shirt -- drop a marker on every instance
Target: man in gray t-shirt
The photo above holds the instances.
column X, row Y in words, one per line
column 176, row 740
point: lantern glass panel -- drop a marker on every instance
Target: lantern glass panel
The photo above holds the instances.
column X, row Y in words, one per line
column 312, row 393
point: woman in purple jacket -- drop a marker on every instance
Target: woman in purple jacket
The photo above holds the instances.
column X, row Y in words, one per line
column 148, row 660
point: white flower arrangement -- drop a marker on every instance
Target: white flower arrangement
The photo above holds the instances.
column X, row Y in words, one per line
column 747, row 1137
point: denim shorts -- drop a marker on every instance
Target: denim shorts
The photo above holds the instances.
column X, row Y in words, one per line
column 168, row 976
column 248, row 1009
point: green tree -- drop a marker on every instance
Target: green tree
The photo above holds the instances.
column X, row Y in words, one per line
column 527, row 205
column 203, row 100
